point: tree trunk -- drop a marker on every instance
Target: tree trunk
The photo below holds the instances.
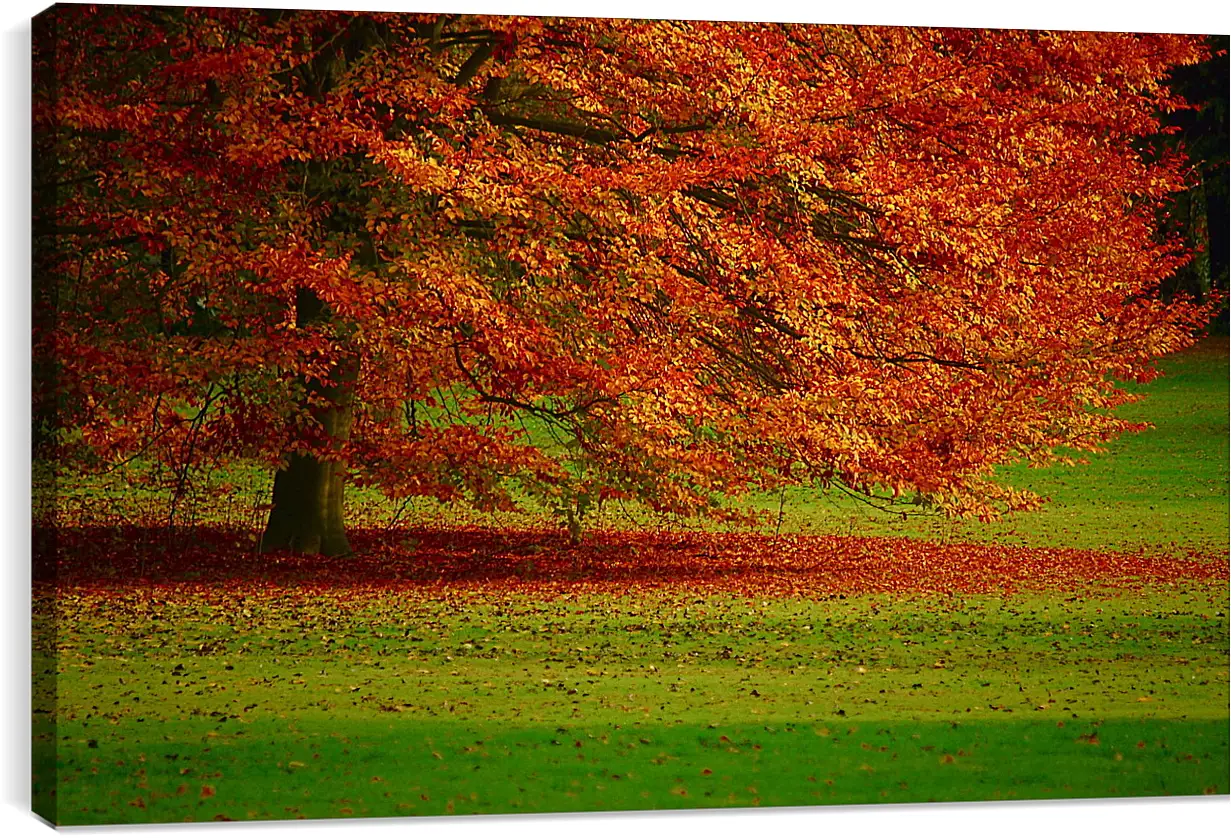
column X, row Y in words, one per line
column 1217, row 223
column 308, row 514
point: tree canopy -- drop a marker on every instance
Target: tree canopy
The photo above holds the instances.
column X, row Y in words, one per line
column 670, row 261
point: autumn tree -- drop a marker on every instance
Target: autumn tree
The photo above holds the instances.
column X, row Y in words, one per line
column 455, row 256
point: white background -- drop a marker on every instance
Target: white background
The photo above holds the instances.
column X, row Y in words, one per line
column 1194, row 816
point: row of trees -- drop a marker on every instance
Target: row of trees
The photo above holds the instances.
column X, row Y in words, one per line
column 455, row 256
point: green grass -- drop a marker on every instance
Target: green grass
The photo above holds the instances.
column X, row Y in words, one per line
column 377, row 768
column 394, row 703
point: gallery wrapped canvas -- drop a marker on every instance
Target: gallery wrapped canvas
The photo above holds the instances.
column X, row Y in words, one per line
column 442, row 414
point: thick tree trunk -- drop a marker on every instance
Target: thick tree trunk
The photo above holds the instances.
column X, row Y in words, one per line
column 308, row 515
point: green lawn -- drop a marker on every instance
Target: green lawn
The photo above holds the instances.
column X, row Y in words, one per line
column 379, row 768
column 276, row 704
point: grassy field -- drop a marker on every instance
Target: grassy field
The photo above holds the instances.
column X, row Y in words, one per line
column 453, row 676
column 281, row 705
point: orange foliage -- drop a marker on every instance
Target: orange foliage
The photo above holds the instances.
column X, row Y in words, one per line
column 703, row 257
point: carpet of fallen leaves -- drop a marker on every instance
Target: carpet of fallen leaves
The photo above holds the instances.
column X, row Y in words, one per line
column 544, row 564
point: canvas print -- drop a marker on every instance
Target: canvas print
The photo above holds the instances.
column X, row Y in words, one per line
column 445, row 414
